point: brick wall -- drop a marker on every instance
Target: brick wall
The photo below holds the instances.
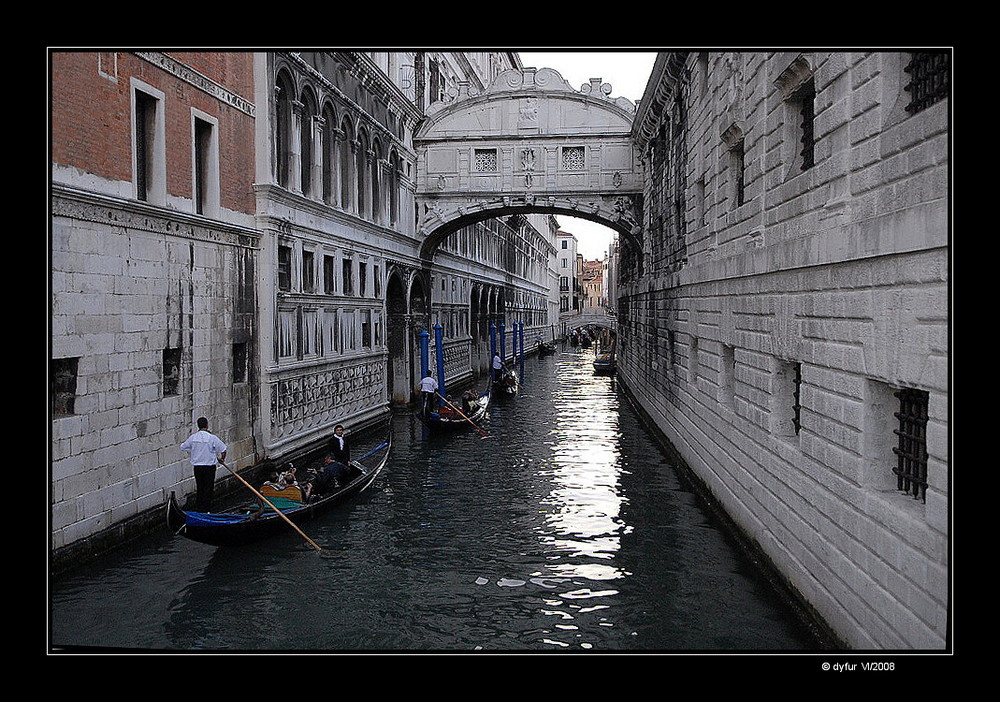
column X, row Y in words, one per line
column 91, row 117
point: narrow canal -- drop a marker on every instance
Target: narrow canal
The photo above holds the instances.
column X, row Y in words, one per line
column 567, row 530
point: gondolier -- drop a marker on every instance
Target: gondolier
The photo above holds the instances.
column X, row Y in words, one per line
column 340, row 446
column 428, row 388
column 498, row 367
column 205, row 450
column 248, row 523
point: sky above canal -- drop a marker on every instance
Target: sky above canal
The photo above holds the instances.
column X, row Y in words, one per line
column 627, row 72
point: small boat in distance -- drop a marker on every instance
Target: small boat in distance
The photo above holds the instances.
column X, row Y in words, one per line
column 604, row 364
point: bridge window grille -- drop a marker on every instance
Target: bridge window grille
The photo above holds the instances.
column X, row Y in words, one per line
column 486, row 161
column 929, row 79
column 911, row 452
column 573, row 158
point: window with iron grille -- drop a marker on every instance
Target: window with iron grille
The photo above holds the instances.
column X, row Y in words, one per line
column 807, row 112
column 486, row 161
column 737, row 155
column 796, row 397
column 929, row 79
column 911, row 450
column 171, row 371
column 573, row 158
column 63, row 385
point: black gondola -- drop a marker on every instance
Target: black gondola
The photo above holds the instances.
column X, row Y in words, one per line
column 447, row 419
column 256, row 521
column 604, row 364
column 507, row 385
column 546, row 349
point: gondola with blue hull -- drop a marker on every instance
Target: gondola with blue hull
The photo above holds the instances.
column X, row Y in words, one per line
column 259, row 521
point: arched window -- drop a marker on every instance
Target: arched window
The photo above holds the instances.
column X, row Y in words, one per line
column 306, row 142
column 376, row 185
column 347, row 166
column 363, row 208
column 283, row 128
column 328, row 149
column 392, row 186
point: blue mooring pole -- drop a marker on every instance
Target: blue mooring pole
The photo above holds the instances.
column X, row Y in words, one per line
column 521, row 334
column 503, row 341
column 439, row 346
column 424, row 354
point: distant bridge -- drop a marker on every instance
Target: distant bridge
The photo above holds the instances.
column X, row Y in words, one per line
column 527, row 143
column 593, row 316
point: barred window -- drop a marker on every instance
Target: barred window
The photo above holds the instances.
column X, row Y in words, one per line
column 171, row 371
column 486, row 161
column 738, row 165
column 807, row 114
column 929, row 73
column 911, row 451
column 63, row 385
column 573, row 158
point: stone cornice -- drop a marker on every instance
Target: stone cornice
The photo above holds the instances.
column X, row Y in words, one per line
column 193, row 77
column 112, row 211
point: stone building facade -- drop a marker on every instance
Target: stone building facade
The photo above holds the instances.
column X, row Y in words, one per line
column 785, row 321
column 234, row 236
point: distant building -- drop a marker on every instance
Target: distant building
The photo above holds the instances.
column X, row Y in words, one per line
column 569, row 283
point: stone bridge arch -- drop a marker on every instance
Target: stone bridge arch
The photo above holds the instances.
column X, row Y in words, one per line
column 527, row 143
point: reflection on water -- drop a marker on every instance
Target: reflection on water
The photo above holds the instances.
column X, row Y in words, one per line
column 566, row 530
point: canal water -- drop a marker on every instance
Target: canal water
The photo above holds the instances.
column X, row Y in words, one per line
column 567, row 529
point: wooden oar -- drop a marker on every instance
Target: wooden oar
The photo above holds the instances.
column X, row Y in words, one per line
column 280, row 513
column 485, row 435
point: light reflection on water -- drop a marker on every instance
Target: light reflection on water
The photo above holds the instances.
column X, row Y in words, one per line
column 566, row 531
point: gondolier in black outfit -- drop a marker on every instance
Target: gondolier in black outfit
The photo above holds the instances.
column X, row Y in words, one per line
column 337, row 470
column 340, row 446
column 206, row 450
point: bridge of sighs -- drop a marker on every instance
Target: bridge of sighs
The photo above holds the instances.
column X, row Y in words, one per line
column 527, row 143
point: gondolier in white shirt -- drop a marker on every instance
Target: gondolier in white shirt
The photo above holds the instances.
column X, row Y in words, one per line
column 498, row 367
column 428, row 388
column 206, row 450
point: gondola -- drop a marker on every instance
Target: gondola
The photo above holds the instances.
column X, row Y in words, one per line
column 508, row 384
column 604, row 364
column 447, row 419
column 255, row 521
column 546, row 349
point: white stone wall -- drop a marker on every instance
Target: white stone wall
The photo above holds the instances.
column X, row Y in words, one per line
column 124, row 287
column 844, row 270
